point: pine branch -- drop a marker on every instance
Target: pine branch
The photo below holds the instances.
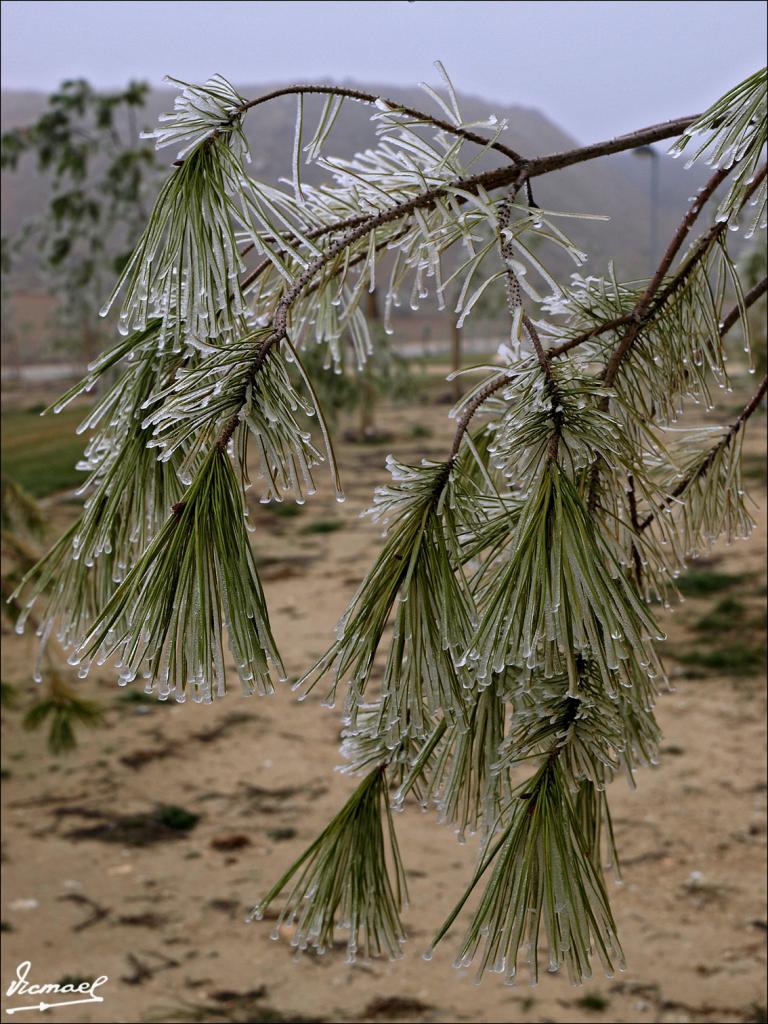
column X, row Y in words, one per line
column 505, row 176
column 417, row 576
column 547, row 859
column 533, row 167
column 345, row 880
column 300, row 285
column 702, row 246
column 518, row 315
column 633, row 140
column 544, row 875
column 472, row 406
column 457, row 767
column 519, row 630
column 355, row 229
column 734, row 130
column 198, row 576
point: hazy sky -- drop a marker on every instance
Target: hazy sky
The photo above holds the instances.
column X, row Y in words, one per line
column 597, row 68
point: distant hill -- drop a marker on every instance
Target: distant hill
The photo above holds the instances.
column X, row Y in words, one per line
column 617, row 186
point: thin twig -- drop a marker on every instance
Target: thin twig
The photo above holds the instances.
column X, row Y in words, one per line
column 302, row 282
column 396, row 108
column 751, row 297
column 655, row 296
column 642, row 137
column 515, row 303
column 505, row 176
column 671, row 287
column 728, row 321
column 540, row 165
column 634, row 520
column 643, row 304
column 488, row 180
column 494, row 384
column 704, row 467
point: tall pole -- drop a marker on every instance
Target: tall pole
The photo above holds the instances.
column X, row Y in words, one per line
column 654, row 232
column 456, row 357
column 653, row 212
column 368, row 392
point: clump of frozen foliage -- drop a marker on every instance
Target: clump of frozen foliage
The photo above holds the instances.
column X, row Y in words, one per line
column 513, row 600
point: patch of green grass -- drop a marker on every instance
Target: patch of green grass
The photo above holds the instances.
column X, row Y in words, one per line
column 703, row 582
column 177, row 818
column 9, row 695
column 727, row 614
column 284, row 509
column 743, row 659
column 323, row 526
column 40, row 452
column 135, row 698
column 593, row 1001
column 278, row 835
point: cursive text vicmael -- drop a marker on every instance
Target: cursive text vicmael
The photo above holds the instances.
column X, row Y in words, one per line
column 20, row 986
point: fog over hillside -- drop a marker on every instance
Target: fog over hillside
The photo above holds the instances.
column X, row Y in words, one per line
column 617, row 186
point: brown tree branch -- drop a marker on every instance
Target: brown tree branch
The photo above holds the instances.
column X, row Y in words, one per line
column 643, row 304
column 537, row 166
column 497, row 178
column 749, row 300
column 672, row 286
column 634, row 520
column 514, row 301
column 504, row 176
column 642, row 137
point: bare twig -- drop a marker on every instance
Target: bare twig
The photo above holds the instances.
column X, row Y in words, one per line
column 728, row 321
column 664, row 294
column 634, row 520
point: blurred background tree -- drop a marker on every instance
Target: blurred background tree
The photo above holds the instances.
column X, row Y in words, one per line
column 101, row 177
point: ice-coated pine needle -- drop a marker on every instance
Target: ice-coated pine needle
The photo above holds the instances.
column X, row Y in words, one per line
column 351, row 878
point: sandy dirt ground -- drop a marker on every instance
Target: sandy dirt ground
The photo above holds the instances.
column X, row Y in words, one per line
column 165, row 921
